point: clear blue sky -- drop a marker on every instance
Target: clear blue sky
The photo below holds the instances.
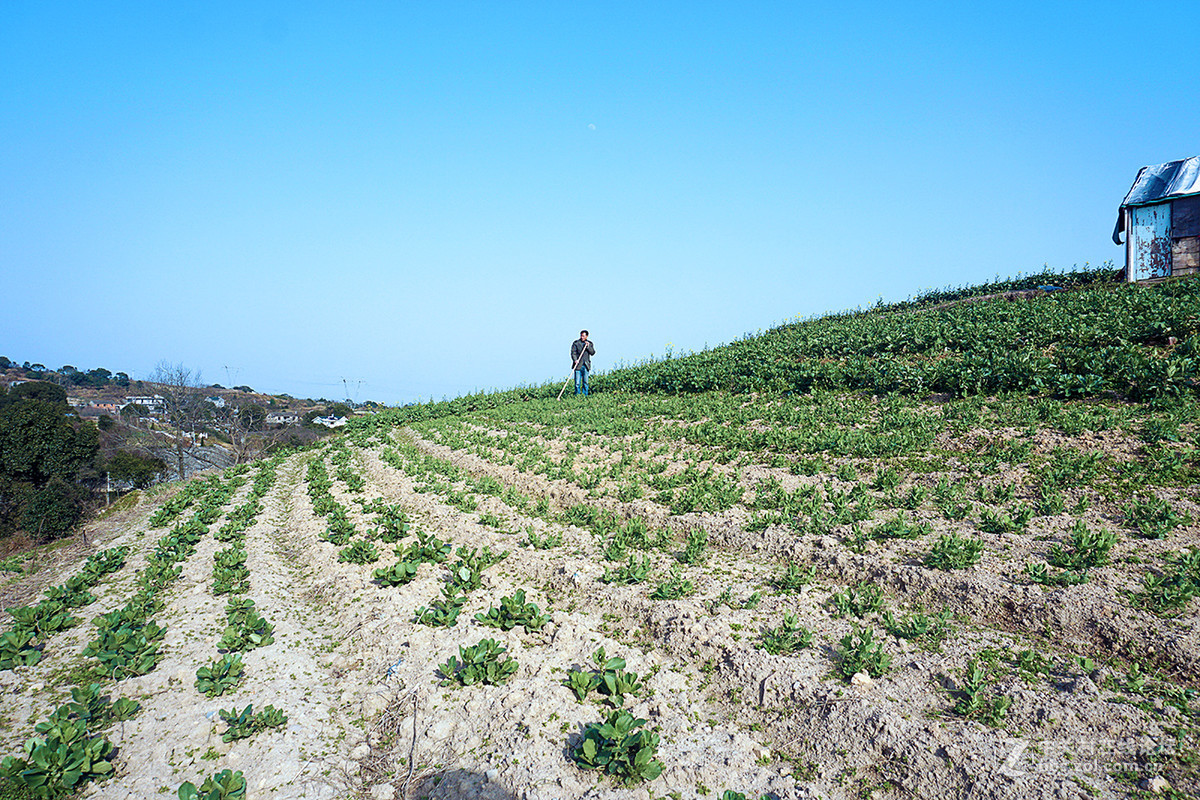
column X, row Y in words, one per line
column 425, row 199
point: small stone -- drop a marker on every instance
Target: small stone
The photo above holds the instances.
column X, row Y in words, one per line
column 862, row 681
column 492, row 774
column 1158, row 784
column 360, row 752
column 383, row 791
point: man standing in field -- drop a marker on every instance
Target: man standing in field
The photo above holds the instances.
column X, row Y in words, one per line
column 581, row 361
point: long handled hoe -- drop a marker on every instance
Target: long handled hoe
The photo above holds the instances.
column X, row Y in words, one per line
column 572, row 375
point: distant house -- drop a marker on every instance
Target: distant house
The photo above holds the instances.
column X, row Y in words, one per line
column 152, row 403
column 282, row 418
column 1160, row 217
column 330, row 422
column 76, row 402
column 216, row 400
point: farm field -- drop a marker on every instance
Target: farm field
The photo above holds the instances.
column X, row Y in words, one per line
column 822, row 588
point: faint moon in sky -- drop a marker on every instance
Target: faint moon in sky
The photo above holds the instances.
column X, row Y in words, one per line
column 591, row 126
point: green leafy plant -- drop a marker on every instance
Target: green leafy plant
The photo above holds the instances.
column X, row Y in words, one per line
column 514, row 611
column 787, row 638
column 634, row 572
column 918, row 626
column 1089, row 548
column 614, row 681
column 96, row 709
column 360, row 552
column 17, row 649
column 224, row 785
column 972, row 698
column 886, row 479
column 581, row 683
column 1000, row 521
column 546, row 542
column 952, row 551
column 1050, row 502
column 673, row 588
column 693, row 553
column 398, row 574
column 74, row 594
column 620, row 747
column 427, row 548
column 1168, row 592
column 440, row 613
column 60, row 761
column 481, row 663
column 126, row 650
column 246, row 628
column 223, row 675
column 794, row 578
column 900, row 527
column 859, row 652
column 230, row 575
column 392, row 523
column 245, row 723
column 859, row 600
column 1153, row 517
column 1040, row 573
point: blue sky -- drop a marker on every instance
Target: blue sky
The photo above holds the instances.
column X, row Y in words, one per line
column 425, row 199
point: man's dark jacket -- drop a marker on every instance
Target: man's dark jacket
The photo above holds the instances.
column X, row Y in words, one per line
column 588, row 349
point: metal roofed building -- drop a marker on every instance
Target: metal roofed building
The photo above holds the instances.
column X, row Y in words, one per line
column 1160, row 217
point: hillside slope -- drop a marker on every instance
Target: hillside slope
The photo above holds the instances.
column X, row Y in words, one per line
column 823, row 593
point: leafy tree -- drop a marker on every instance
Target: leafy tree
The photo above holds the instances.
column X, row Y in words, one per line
column 53, row 510
column 138, row 470
column 121, row 379
column 39, row 442
column 43, row 455
column 39, row 390
column 5, row 363
column 340, row 410
column 98, row 377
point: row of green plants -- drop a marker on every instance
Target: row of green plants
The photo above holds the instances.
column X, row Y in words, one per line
column 70, row 749
column 127, row 641
column 245, row 629
column 33, row 626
